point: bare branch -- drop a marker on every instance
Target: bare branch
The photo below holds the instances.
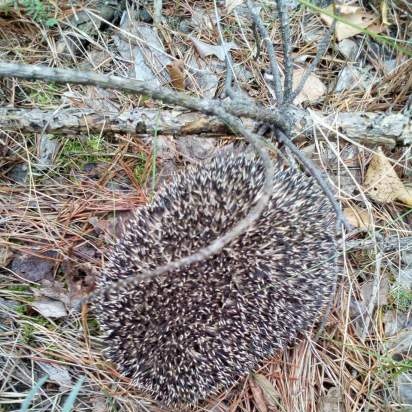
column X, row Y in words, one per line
column 365, row 128
column 271, row 51
column 139, row 121
column 157, row 12
column 287, row 49
column 207, row 106
column 387, row 244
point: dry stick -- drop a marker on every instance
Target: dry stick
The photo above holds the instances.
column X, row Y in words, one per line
column 229, row 76
column 207, row 106
column 323, row 45
column 374, row 297
column 287, row 50
column 387, row 244
column 227, row 91
column 157, row 12
column 271, row 51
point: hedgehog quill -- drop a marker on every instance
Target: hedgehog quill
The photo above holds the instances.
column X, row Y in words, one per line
column 188, row 334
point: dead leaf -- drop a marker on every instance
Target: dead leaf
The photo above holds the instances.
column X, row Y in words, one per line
column 383, row 184
column 358, row 217
column 57, row 373
column 33, row 268
column 220, row 51
column 332, row 401
column 353, row 15
column 258, row 396
column 50, row 308
column 367, row 291
column 5, row 256
column 377, row 28
column 147, row 50
column 268, row 389
column 312, row 90
column 177, row 75
column 384, row 12
column 195, row 148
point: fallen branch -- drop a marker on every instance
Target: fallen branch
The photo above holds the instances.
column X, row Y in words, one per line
column 139, row 121
column 366, row 128
column 166, row 95
column 386, row 244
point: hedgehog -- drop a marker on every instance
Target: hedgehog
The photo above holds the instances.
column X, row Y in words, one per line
column 194, row 331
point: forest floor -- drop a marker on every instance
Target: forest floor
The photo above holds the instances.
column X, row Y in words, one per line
column 63, row 195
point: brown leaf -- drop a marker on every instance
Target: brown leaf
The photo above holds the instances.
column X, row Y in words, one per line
column 33, row 268
column 312, row 90
column 358, row 217
column 383, row 184
column 177, row 75
column 205, row 49
column 351, row 14
column 258, row 396
column 268, row 389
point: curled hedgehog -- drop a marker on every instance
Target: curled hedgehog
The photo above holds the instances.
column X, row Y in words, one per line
column 187, row 334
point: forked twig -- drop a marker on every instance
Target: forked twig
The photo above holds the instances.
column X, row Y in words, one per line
column 206, row 106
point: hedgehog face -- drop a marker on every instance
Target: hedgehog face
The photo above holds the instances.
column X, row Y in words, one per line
column 187, row 334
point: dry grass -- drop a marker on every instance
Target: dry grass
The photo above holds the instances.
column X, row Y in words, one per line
column 65, row 213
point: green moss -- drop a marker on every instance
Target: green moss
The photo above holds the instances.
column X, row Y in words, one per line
column 78, row 152
column 38, row 10
column 401, row 298
column 45, row 95
column 30, row 327
column 94, row 326
column 390, row 368
column 139, row 169
column 22, row 309
column 18, row 288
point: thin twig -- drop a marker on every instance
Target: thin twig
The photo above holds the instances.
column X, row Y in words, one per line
column 287, row 49
column 229, row 77
column 374, row 297
column 207, row 106
column 271, row 51
column 323, row 45
column 230, row 73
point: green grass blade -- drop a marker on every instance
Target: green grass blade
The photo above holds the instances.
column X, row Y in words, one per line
column 26, row 403
column 68, row 405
